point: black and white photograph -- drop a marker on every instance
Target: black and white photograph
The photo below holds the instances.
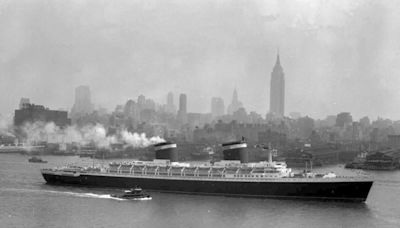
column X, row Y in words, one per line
column 199, row 113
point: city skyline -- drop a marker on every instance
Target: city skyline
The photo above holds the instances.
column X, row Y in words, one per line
column 175, row 113
column 215, row 103
column 343, row 60
column 141, row 98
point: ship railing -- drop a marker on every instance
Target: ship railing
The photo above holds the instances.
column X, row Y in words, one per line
column 169, row 171
column 163, row 174
column 144, row 170
column 210, row 174
column 239, row 177
column 219, row 175
column 237, row 171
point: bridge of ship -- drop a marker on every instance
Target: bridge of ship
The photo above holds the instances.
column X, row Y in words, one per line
column 193, row 171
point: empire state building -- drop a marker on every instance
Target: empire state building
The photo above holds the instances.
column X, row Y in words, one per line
column 277, row 96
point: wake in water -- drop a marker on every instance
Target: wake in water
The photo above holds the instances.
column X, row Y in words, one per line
column 92, row 195
column 77, row 194
column 140, row 199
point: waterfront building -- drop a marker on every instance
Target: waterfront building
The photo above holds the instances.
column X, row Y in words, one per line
column 7, row 139
column 23, row 102
column 383, row 160
column 30, row 113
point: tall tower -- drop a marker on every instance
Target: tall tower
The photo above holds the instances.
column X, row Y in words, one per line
column 182, row 103
column 170, row 99
column 170, row 107
column 277, row 96
column 83, row 104
column 182, row 112
column 236, row 104
column 235, row 98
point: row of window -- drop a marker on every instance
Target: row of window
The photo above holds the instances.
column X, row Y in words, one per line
column 202, row 174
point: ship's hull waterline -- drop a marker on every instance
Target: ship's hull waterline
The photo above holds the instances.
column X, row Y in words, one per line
column 340, row 190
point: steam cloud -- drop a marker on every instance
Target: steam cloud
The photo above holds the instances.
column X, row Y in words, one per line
column 90, row 134
column 5, row 126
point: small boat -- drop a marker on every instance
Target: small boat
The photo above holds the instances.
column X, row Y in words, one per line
column 36, row 160
column 134, row 193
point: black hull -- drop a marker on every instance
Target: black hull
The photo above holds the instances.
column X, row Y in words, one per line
column 369, row 167
column 131, row 197
column 356, row 191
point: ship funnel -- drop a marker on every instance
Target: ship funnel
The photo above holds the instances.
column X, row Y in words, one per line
column 236, row 151
column 166, row 150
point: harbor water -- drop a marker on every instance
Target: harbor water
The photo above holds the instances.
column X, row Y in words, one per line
column 27, row 201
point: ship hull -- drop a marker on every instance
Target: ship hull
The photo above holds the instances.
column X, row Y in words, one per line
column 356, row 191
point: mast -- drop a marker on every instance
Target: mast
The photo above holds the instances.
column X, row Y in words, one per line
column 270, row 153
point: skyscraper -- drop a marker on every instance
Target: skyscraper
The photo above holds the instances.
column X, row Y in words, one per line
column 344, row 119
column 217, row 107
column 83, row 104
column 277, row 96
column 170, row 99
column 182, row 112
column 236, row 104
column 131, row 109
column 170, row 107
column 141, row 100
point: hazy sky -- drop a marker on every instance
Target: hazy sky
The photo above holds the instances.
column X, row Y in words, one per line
column 337, row 55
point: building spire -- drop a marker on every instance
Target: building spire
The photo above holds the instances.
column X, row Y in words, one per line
column 278, row 62
column 235, row 96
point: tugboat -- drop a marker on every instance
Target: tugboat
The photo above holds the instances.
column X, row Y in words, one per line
column 36, row 160
column 134, row 193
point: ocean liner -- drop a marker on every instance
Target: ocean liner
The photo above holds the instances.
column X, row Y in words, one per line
column 232, row 176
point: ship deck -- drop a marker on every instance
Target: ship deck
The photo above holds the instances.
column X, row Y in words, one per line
column 223, row 178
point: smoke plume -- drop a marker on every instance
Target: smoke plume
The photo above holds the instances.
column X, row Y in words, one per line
column 90, row 134
column 6, row 126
